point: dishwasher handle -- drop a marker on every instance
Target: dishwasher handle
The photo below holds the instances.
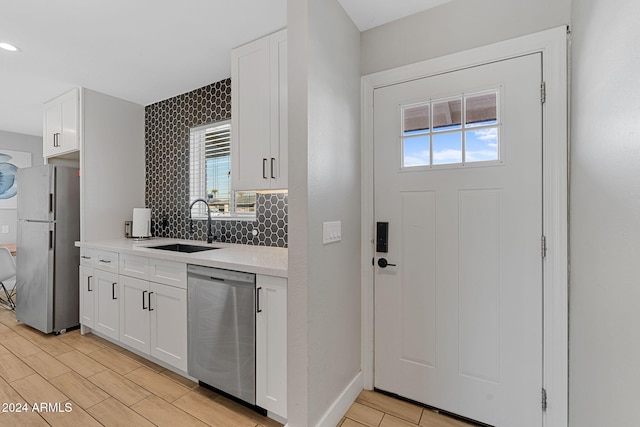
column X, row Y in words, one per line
column 211, row 273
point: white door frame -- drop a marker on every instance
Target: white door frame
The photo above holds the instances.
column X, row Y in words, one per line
column 553, row 45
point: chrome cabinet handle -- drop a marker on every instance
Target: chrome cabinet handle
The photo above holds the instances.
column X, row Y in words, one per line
column 264, row 168
column 272, row 168
column 89, row 284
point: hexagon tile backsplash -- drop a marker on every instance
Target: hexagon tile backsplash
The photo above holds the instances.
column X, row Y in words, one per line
column 167, row 125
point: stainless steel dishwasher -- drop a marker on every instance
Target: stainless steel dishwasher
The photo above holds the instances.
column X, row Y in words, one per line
column 221, row 330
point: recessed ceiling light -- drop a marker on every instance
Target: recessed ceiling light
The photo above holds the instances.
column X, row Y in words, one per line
column 9, row 47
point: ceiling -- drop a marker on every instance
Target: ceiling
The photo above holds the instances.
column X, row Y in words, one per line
column 143, row 51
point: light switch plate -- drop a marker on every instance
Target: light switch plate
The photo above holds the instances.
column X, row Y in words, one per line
column 331, row 232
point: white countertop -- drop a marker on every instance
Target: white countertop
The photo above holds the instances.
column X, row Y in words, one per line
column 252, row 259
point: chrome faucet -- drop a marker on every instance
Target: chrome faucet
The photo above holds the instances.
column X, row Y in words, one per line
column 210, row 236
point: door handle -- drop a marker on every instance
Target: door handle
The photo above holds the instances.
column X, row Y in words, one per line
column 383, row 263
column 143, row 307
column 150, row 309
column 113, row 290
column 264, row 168
column 272, row 168
column 89, row 284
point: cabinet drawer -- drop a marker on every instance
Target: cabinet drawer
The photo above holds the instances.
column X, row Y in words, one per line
column 168, row 272
column 108, row 261
column 88, row 257
column 134, row 266
column 102, row 260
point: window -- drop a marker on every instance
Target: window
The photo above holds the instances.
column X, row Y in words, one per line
column 210, row 174
column 451, row 131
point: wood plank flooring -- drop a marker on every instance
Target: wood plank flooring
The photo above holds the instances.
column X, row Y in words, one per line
column 102, row 384
column 374, row 409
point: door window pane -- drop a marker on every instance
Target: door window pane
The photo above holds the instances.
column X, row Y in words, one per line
column 447, row 115
column 447, row 148
column 481, row 145
column 416, row 118
column 481, row 109
column 416, row 151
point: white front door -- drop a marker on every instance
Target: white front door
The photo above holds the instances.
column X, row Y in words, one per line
column 458, row 179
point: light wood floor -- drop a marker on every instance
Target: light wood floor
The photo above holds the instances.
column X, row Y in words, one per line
column 103, row 384
column 378, row 410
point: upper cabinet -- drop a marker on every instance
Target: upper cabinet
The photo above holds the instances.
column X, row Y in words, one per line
column 104, row 136
column 61, row 124
column 259, row 114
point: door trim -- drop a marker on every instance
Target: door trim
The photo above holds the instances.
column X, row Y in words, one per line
column 553, row 46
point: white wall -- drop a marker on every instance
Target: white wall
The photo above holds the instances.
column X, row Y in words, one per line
column 18, row 142
column 457, row 26
column 324, row 177
column 605, row 214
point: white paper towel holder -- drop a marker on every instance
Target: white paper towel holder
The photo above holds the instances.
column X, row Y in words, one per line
column 141, row 227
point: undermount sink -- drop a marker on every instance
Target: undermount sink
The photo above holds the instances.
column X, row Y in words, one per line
column 181, row 247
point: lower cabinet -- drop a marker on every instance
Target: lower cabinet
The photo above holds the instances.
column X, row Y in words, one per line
column 153, row 320
column 99, row 305
column 107, row 304
column 87, row 301
column 271, row 344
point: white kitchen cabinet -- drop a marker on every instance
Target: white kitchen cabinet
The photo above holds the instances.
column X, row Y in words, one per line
column 153, row 316
column 271, row 344
column 98, row 291
column 61, row 125
column 107, row 304
column 168, row 321
column 87, row 301
column 259, row 143
column 134, row 313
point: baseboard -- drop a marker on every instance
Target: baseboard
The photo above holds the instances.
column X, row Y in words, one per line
column 341, row 405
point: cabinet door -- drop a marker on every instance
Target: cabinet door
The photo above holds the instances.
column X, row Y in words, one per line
column 271, row 344
column 279, row 147
column 168, row 310
column 134, row 313
column 69, row 119
column 87, row 292
column 61, row 125
column 251, row 115
column 107, row 305
column 52, row 129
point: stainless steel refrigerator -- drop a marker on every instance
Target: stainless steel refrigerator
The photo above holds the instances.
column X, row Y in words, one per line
column 47, row 291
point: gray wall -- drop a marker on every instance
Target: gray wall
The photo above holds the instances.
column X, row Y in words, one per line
column 18, row 142
column 324, row 177
column 457, row 26
column 605, row 214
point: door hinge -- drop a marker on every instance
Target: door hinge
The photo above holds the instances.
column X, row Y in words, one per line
column 543, row 92
column 544, row 399
column 543, row 246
